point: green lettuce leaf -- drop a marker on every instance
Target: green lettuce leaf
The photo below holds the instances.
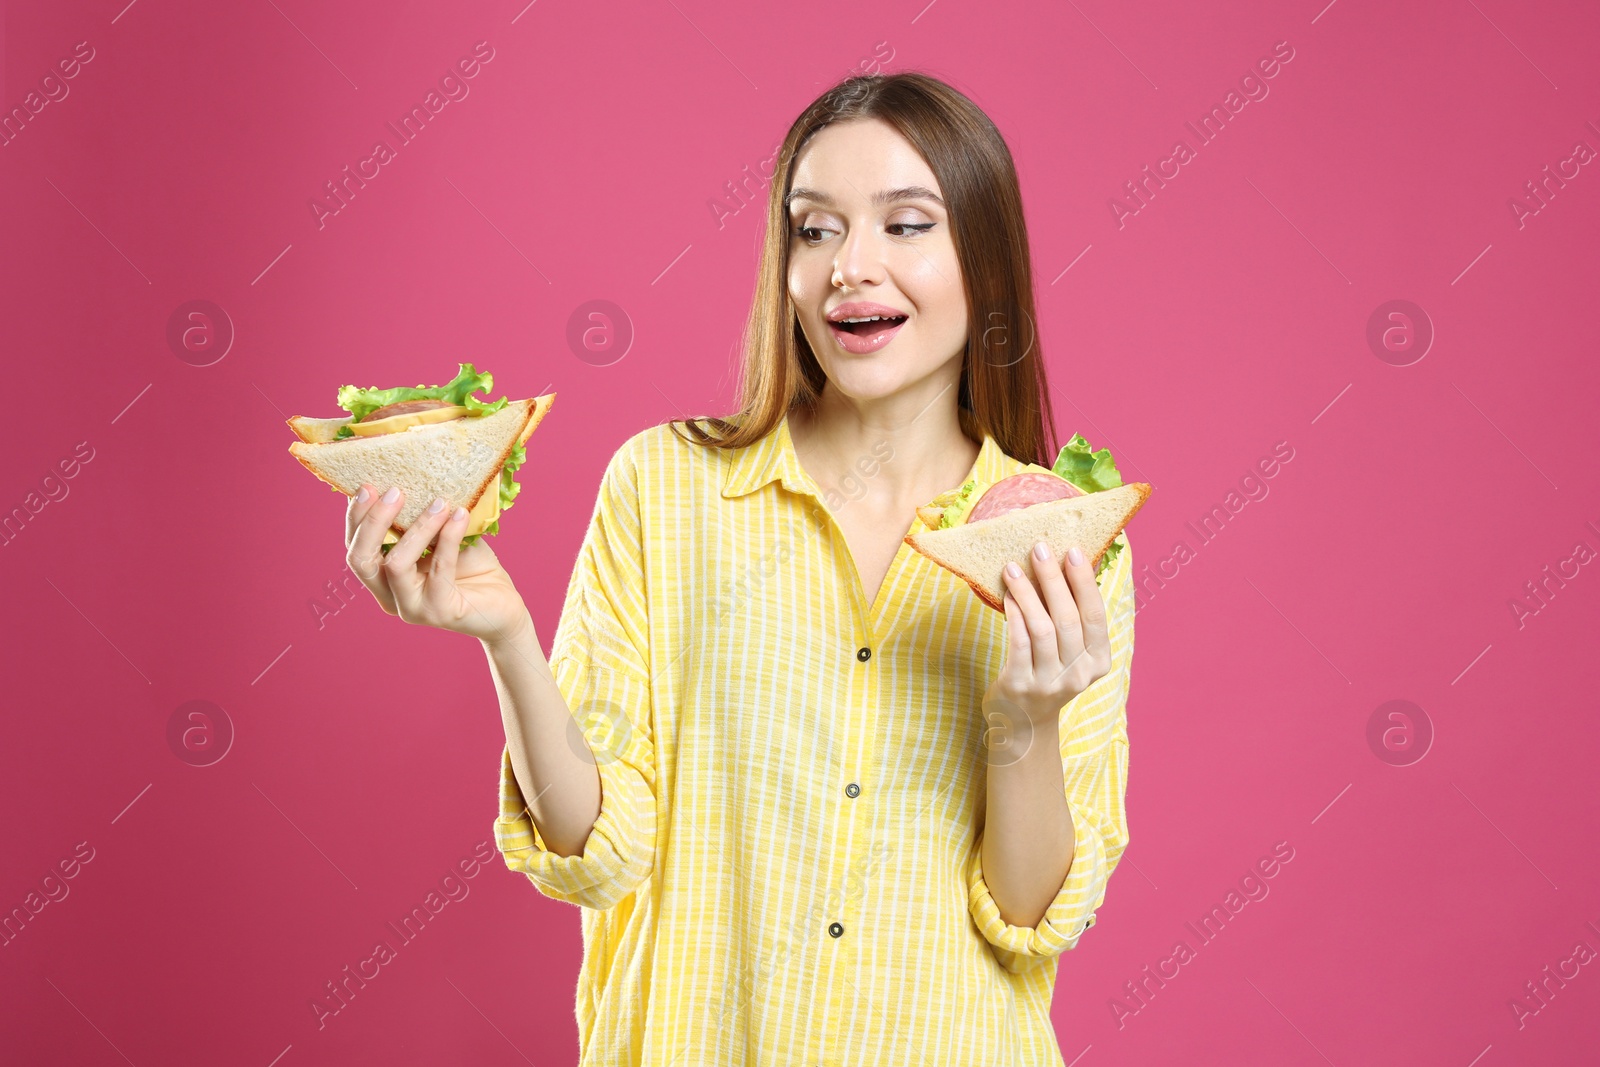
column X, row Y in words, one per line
column 1092, row 472
column 1111, row 554
column 1088, row 470
column 954, row 503
column 362, row 402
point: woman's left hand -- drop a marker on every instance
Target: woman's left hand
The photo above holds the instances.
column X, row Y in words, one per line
column 1056, row 647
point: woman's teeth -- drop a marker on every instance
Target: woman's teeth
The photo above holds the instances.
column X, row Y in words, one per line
column 869, row 324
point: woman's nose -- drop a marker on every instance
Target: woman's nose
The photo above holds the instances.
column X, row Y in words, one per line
column 858, row 261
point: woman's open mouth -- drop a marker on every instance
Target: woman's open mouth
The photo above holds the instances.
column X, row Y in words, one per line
column 866, row 333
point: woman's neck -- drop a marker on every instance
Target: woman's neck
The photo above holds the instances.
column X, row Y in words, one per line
column 901, row 451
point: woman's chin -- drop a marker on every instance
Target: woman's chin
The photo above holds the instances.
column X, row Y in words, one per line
column 870, row 381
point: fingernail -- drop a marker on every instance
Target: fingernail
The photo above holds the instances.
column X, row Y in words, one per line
column 1074, row 556
column 459, row 515
column 361, row 497
column 1013, row 571
column 1041, row 551
column 392, row 495
column 437, row 505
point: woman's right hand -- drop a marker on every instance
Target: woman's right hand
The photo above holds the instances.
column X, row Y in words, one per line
column 455, row 588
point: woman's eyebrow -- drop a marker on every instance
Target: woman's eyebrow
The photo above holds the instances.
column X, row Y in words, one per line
column 886, row 196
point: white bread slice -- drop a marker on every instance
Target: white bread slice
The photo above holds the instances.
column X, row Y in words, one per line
column 977, row 552
column 459, row 460
column 317, row 431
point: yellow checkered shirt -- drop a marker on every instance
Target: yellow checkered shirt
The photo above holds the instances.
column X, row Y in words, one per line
column 786, row 869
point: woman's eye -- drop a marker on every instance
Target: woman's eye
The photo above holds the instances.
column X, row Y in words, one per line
column 813, row 234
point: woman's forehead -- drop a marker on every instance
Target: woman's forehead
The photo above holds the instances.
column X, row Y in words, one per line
column 857, row 159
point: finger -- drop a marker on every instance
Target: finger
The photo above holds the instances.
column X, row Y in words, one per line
column 360, row 504
column 405, row 577
column 1091, row 606
column 1019, row 649
column 364, row 556
column 442, row 576
column 1045, row 659
column 1058, row 597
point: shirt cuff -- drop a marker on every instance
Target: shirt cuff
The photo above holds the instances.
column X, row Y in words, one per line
column 617, row 857
column 1071, row 912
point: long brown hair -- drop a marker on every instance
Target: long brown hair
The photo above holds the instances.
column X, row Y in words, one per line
column 1003, row 388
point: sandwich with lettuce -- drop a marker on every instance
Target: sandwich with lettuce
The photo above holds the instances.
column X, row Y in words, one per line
column 431, row 441
column 974, row 530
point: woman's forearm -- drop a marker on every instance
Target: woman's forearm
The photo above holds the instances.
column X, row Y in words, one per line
column 1028, row 839
column 554, row 766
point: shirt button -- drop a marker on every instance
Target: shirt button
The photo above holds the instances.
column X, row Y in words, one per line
column 852, row 790
column 836, row 929
column 863, row 654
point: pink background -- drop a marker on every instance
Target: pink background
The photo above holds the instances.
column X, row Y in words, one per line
column 1228, row 315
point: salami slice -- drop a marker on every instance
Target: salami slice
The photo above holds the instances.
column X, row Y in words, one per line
column 406, row 407
column 1019, row 491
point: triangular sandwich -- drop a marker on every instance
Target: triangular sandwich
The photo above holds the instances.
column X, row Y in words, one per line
column 431, row 442
column 977, row 552
column 975, row 530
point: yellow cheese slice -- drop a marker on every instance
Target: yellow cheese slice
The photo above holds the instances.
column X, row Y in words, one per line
column 396, row 423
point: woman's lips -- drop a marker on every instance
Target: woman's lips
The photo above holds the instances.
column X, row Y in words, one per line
column 865, row 337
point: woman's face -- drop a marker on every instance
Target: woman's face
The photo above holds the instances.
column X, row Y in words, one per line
column 894, row 253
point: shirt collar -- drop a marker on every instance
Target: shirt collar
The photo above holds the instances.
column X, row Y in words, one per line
column 773, row 458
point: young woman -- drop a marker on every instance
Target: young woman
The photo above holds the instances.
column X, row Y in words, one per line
column 825, row 806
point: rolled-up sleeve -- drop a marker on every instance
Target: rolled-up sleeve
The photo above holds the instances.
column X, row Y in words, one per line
column 599, row 663
column 1094, row 759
